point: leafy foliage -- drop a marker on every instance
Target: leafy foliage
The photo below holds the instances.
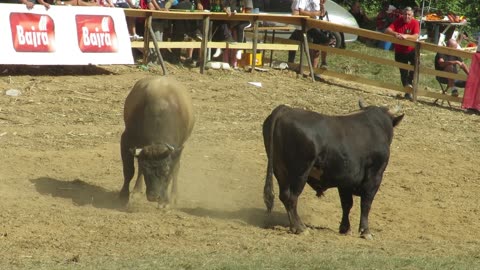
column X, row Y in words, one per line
column 468, row 8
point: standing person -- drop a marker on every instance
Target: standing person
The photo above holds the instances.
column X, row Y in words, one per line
column 359, row 15
column 449, row 63
column 314, row 9
column 405, row 27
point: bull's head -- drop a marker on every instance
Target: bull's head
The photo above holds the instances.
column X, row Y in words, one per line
column 155, row 161
column 395, row 119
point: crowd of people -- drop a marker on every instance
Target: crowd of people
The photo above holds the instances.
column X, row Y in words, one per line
column 175, row 30
column 397, row 22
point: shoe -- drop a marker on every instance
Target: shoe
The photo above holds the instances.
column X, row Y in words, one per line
column 408, row 96
column 454, row 92
column 239, row 55
column 472, row 111
column 317, row 78
column 217, row 53
column 197, row 35
column 324, row 66
column 409, row 86
column 136, row 38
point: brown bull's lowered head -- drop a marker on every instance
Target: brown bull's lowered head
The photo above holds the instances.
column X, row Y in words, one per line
column 155, row 162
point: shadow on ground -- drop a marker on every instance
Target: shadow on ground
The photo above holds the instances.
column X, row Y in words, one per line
column 80, row 192
column 57, row 70
column 253, row 216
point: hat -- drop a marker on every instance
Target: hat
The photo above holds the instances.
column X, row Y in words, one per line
column 391, row 9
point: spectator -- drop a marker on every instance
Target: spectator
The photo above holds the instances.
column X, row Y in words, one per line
column 186, row 30
column 236, row 28
column 30, row 3
column 471, row 97
column 385, row 17
column 449, row 63
column 405, row 27
column 313, row 9
column 359, row 15
column 132, row 29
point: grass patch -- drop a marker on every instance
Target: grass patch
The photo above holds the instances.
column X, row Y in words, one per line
column 374, row 71
column 333, row 259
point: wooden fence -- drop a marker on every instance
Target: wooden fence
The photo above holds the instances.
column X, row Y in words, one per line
column 285, row 44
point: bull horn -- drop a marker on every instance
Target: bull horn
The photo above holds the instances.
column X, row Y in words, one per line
column 136, row 151
column 396, row 109
column 171, row 148
column 361, row 103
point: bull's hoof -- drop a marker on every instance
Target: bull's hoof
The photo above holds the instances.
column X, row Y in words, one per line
column 298, row 229
column 163, row 206
column 123, row 199
column 344, row 230
column 367, row 236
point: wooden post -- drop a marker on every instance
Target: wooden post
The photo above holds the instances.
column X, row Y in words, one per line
column 204, row 46
column 155, row 44
column 255, row 41
column 271, row 51
column 307, row 53
column 302, row 48
column 416, row 71
column 146, row 37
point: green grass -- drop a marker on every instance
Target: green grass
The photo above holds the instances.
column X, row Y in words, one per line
column 332, row 259
column 374, row 71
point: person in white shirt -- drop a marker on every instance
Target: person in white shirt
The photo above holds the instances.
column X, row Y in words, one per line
column 314, row 9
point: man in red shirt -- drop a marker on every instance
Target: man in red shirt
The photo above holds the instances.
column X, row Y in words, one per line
column 405, row 27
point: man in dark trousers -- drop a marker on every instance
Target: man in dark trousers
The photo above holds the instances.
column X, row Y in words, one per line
column 405, row 27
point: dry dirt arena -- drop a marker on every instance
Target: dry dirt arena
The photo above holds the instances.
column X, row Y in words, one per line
column 60, row 173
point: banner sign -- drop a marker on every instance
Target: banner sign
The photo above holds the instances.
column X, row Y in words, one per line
column 63, row 35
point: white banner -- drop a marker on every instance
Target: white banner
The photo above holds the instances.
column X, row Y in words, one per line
column 63, row 35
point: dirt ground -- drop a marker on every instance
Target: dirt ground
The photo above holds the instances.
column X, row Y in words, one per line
column 60, row 172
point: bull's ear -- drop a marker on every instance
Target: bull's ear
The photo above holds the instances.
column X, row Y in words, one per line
column 136, row 151
column 397, row 119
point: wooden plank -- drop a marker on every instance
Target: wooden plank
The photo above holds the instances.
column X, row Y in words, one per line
column 199, row 15
column 221, row 45
column 431, row 71
column 389, row 86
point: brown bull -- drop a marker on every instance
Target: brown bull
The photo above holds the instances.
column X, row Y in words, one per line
column 158, row 117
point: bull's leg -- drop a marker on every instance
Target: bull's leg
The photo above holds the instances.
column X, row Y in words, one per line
column 139, row 183
column 346, row 198
column 369, row 189
column 289, row 194
column 173, row 197
column 365, row 205
column 128, row 170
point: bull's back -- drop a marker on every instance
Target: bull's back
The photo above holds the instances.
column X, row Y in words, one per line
column 158, row 108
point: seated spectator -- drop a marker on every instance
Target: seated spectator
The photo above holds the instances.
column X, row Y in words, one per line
column 87, row 3
column 359, row 15
column 317, row 36
column 30, row 3
column 132, row 29
column 449, row 63
column 186, row 30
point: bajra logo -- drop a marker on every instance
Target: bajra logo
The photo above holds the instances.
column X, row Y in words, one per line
column 96, row 34
column 32, row 32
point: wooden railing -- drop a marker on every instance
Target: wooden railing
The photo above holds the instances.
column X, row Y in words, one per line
column 285, row 44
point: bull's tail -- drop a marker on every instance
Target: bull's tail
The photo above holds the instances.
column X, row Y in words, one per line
column 268, row 130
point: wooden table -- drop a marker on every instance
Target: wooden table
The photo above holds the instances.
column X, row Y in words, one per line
column 436, row 29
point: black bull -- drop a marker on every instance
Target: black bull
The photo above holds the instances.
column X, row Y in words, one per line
column 158, row 117
column 349, row 152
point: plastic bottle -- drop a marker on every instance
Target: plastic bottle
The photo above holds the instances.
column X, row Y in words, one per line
column 192, row 8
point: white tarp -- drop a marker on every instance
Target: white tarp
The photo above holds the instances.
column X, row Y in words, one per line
column 63, row 35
